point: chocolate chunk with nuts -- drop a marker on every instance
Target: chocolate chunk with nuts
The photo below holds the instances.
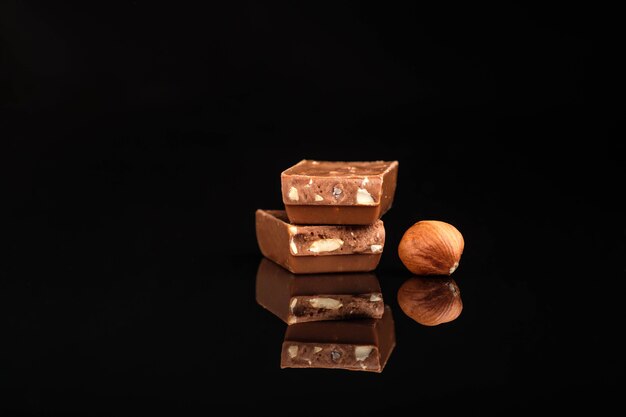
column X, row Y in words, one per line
column 337, row 192
column 319, row 248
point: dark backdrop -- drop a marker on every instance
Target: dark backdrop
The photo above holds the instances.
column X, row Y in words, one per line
column 140, row 138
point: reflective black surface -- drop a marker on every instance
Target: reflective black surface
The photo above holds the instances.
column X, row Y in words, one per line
column 156, row 334
column 127, row 285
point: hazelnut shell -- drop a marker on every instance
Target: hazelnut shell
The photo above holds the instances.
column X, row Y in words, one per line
column 431, row 247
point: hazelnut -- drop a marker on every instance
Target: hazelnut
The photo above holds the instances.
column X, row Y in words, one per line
column 364, row 197
column 362, row 352
column 431, row 247
column 293, row 194
column 430, row 301
column 325, row 245
column 293, row 351
column 325, row 303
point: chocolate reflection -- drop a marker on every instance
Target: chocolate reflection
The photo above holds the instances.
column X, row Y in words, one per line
column 335, row 321
column 430, row 300
column 317, row 297
column 356, row 345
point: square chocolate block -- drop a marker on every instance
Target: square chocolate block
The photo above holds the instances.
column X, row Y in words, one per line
column 354, row 345
column 319, row 248
column 334, row 192
column 317, row 297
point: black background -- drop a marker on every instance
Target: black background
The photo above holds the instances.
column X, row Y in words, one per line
column 140, row 138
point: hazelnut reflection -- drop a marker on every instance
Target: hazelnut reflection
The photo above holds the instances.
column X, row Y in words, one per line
column 430, row 300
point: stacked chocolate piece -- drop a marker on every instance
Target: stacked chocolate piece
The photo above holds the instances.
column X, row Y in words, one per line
column 319, row 256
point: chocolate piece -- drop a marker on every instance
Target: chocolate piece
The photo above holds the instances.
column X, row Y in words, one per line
column 297, row 299
column 355, row 345
column 325, row 192
column 319, row 249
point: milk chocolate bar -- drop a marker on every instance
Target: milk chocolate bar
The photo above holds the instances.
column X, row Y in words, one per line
column 355, row 345
column 316, row 297
column 318, row 248
column 334, row 192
